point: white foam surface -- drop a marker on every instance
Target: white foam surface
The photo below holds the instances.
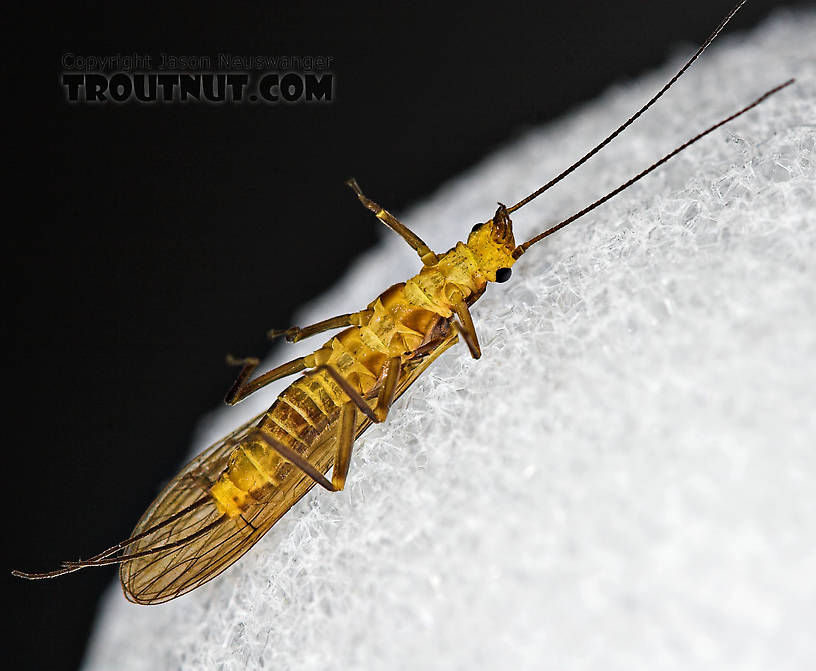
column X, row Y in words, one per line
column 627, row 478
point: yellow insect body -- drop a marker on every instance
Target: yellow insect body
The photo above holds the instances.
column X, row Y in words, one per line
column 230, row 495
column 401, row 321
column 227, row 498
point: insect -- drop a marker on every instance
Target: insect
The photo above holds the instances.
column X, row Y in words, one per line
column 224, row 500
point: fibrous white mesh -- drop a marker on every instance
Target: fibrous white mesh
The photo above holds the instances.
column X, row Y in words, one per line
column 627, row 478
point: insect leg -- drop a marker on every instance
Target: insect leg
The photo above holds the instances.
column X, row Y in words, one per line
column 389, row 387
column 349, row 391
column 242, row 388
column 348, row 421
column 295, row 458
column 345, row 441
column 296, row 333
column 464, row 325
column 425, row 254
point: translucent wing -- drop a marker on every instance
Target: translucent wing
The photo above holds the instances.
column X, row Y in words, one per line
column 182, row 541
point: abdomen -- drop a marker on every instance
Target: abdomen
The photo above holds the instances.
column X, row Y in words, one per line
column 397, row 327
column 255, row 468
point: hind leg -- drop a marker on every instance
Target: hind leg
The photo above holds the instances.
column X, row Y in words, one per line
column 243, row 387
column 384, row 398
column 348, row 421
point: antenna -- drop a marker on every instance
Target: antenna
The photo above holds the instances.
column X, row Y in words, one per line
column 632, row 118
column 518, row 251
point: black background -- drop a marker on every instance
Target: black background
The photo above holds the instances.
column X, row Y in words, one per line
column 148, row 241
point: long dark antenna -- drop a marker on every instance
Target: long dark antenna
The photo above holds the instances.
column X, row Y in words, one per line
column 632, row 118
column 524, row 247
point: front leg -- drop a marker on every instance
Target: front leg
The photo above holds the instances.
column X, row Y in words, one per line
column 464, row 325
column 427, row 257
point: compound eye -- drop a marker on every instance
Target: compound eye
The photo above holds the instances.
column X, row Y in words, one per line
column 475, row 228
column 503, row 274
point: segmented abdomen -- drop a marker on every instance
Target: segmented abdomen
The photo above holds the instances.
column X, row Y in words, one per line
column 254, row 466
column 401, row 320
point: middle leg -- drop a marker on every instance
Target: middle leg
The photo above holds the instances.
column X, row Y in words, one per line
column 295, row 333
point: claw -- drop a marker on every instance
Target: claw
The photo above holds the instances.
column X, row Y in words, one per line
column 291, row 334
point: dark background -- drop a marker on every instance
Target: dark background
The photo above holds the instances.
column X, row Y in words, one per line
column 148, row 241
